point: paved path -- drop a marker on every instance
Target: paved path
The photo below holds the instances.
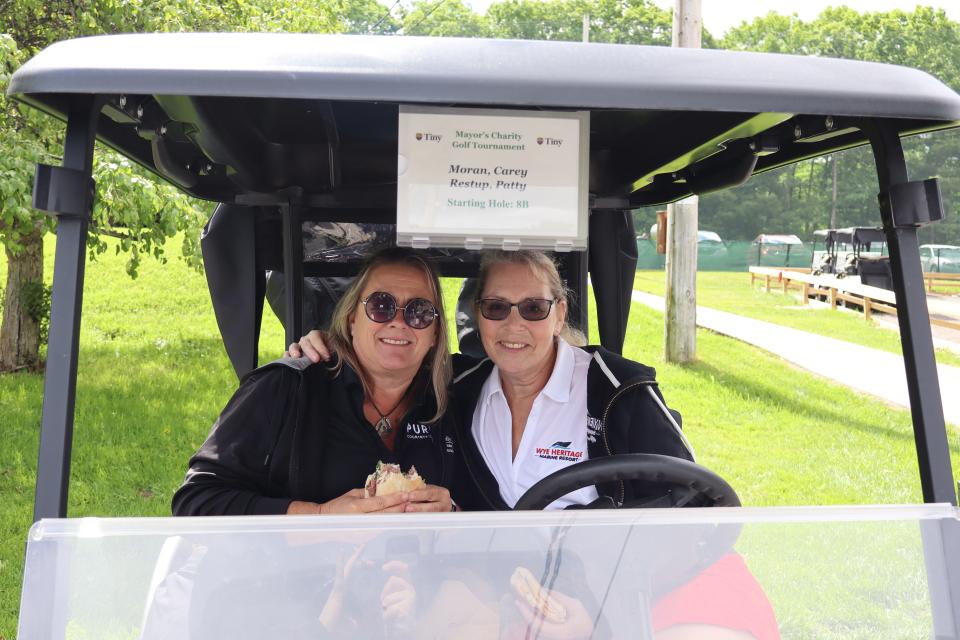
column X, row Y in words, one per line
column 868, row 370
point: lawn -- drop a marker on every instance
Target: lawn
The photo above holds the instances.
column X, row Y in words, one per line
column 732, row 292
column 153, row 375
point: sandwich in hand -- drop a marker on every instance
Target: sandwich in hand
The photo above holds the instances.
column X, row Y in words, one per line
column 528, row 588
column 388, row 478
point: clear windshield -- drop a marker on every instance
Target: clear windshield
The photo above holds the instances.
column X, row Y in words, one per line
column 829, row 572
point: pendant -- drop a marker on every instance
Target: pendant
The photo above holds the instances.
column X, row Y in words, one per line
column 383, row 426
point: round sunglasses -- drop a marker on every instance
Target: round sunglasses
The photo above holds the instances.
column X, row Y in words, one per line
column 533, row 309
column 382, row 307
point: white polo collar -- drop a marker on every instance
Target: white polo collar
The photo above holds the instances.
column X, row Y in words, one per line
column 557, row 387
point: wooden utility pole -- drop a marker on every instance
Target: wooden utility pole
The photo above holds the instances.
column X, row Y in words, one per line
column 680, row 299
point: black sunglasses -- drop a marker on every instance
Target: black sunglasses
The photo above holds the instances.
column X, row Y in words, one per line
column 530, row 309
column 382, row 307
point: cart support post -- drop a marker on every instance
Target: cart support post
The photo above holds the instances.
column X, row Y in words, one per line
column 293, row 267
column 900, row 223
column 612, row 270
column 575, row 268
column 904, row 207
column 67, row 193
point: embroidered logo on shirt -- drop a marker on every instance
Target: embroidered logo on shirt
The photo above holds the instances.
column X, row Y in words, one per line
column 449, row 442
column 594, row 428
column 559, row 451
column 417, row 431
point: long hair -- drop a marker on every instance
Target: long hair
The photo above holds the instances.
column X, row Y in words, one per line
column 545, row 270
column 437, row 360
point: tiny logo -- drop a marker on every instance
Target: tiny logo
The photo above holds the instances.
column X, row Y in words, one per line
column 561, row 445
column 539, row 140
column 419, row 136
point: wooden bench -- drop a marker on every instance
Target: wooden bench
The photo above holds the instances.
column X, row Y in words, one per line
column 949, row 279
column 835, row 290
column 786, row 277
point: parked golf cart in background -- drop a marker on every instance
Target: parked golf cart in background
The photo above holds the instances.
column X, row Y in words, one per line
column 941, row 258
column 290, row 131
column 823, row 259
column 860, row 251
column 854, row 251
column 779, row 250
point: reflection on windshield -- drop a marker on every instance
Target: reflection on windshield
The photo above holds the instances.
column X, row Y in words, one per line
column 634, row 574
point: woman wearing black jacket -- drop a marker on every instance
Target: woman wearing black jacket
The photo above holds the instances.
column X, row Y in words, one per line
column 301, row 439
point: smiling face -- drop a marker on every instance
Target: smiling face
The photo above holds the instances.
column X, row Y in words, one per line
column 392, row 349
column 519, row 347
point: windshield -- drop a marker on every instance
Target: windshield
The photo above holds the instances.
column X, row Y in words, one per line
column 851, row 572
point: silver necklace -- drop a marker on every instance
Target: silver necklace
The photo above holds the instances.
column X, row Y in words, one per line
column 384, row 427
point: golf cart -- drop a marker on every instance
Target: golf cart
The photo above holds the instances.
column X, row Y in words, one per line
column 774, row 249
column 858, row 251
column 823, row 251
column 288, row 132
column 854, row 251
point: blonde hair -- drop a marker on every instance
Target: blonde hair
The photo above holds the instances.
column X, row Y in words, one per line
column 545, row 270
column 341, row 339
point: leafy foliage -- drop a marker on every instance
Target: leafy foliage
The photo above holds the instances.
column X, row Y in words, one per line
column 130, row 205
column 798, row 199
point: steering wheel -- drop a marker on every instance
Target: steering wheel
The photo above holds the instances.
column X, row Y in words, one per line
column 687, row 481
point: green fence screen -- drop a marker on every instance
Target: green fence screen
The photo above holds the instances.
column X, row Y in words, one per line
column 731, row 256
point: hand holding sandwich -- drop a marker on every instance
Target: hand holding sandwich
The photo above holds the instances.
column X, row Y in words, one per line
column 388, row 479
column 387, row 490
column 351, row 502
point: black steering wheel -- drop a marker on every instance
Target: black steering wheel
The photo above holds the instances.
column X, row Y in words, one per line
column 688, row 482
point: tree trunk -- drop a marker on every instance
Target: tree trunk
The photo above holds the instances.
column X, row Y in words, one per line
column 20, row 333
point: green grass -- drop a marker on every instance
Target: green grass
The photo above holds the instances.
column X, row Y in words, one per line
column 153, row 376
column 732, row 292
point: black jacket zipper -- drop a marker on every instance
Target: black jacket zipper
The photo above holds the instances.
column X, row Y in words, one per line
column 606, row 412
column 473, row 476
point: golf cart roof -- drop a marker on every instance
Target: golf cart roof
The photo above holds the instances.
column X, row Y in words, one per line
column 229, row 116
column 240, row 119
column 770, row 238
column 861, row 235
column 245, row 119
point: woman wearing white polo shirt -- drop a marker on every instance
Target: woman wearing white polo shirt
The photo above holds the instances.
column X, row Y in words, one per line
column 540, row 403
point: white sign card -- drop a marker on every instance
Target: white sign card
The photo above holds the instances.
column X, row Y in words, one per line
column 486, row 178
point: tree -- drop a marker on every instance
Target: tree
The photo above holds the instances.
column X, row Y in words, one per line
column 617, row 21
column 130, row 205
column 798, row 199
column 444, row 18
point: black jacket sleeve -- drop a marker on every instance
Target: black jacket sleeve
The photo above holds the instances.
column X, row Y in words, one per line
column 637, row 424
column 654, row 433
column 229, row 475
